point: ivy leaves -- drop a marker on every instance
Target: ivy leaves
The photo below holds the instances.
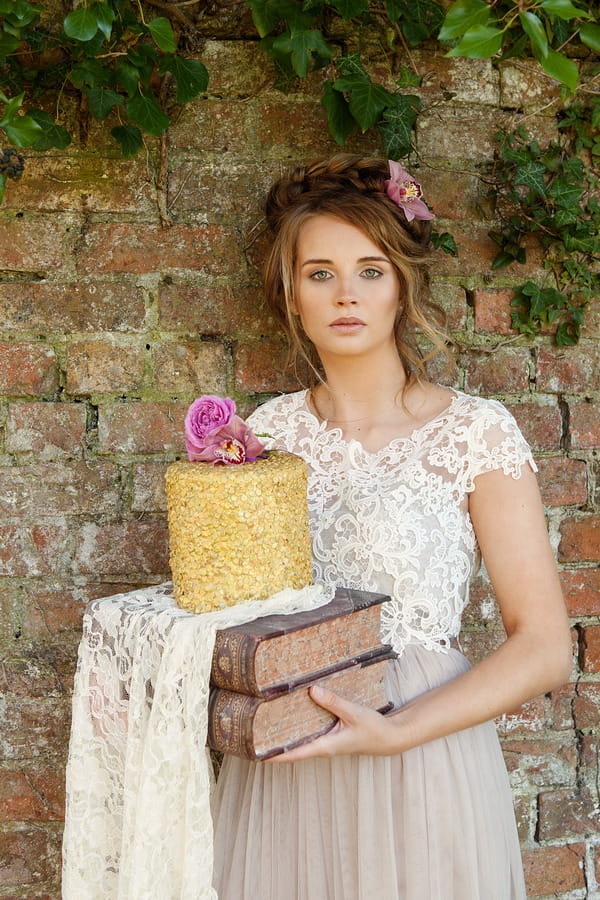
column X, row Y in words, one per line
column 480, row 30
column 110, row 53
column 547, row 193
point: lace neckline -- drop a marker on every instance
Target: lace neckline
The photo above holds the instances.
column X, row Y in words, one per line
column 335, row 433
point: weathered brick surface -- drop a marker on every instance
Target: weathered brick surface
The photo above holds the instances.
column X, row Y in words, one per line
column 71, row 307
column 111, row 322
column 553, row 870
column 28, row 370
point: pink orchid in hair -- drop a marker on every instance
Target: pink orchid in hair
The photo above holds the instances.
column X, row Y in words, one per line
column 406, row 192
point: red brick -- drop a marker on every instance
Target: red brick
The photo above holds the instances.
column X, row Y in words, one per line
column 471, row 80
column 293, row 126
column 236, row 69
column 582, row 591
column 262, row 367
column 38, row 550
column 482, row 609
column 212, row 125
column 56, row 608
column 72, row 307
column 34, row 491
column 27, row 369
column 566, row 813
column 562, row 706
column 224, row 194
column 35, row 729
column 506, row 369
column 591, row 649
column 83, row 183
column 29, row 675
column 528, row 719
column 476, row 253
column 141, row 248
column 524, row 86
column 563, row 481
column 142, row 427
column 32, row 243
column 100, row 367
column 540, row 762
column 574, row 369
column 453, row 301
column 21, row 798
column 48, row 429
column 193, row 368
column 213, row 309
column 541, row 424
column 149, row 487
column 492, row 311
column 586, row 707
column 122, row 548
column 27, row 856
column 580, row 539
column 554, row 870
column 584, row 423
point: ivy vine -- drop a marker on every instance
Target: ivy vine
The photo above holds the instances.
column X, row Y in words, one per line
column 124, row 62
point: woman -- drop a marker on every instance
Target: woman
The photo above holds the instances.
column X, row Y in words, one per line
column 408, row 482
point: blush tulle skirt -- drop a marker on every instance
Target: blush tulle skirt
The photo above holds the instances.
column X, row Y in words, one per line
column 434, row 823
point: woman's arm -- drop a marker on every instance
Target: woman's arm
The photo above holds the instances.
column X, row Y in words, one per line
column 508, row 518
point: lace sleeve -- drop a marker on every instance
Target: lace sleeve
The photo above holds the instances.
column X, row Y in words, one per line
column 494, row 441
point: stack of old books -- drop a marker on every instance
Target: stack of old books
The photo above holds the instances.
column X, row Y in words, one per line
column 262, row 671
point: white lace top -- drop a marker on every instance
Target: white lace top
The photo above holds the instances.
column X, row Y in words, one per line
column 397, row 520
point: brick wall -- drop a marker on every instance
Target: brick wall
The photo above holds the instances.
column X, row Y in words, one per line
column 111, row 323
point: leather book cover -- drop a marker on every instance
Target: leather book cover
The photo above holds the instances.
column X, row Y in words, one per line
column 277, row 653
column 257, row 727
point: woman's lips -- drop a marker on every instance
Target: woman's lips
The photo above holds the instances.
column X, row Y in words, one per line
column 348, row 325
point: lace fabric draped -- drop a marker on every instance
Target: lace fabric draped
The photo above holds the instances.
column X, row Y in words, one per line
column 138, row 822
column 397, row 520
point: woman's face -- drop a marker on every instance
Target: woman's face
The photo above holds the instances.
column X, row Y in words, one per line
column 347, row 293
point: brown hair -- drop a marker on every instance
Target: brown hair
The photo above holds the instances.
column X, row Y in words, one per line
column 351, row 188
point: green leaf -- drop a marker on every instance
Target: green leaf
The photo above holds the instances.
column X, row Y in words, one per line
column 267, row 14
column 300, row 44
column 340, row 119
column 101, row 101
column 590, row 35
column 564, row 9
column 408, row 78
column 81, row 24
column 560, row 68
column 129, row 137
column 129, row 76
column 348, row 9
column 531, row 174
column 365, row 99
column 396, row 129
column 190, row 74
column 565, row 194
column 53, row 135
column 162, row 34
column 13, row 105
column 444, row 242
column 462, row 16
column 480, row 42
column 8, row 44
column 105, row 16
column 22, row 131
column 3, row 180
column 145, row 112
column 533, row 28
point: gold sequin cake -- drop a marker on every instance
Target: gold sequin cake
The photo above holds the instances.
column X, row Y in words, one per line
column 239, row 532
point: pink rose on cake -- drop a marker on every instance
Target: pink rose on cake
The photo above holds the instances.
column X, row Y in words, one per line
column 215, row 434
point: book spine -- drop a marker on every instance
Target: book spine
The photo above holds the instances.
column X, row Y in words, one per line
column 230, row 723
column 233, row 662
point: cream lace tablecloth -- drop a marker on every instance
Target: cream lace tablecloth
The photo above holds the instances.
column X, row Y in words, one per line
column 138, row 824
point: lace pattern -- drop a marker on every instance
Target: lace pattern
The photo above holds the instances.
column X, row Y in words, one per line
column 138, row 823
column 397, row 520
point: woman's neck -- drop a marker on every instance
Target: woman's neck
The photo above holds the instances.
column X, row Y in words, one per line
column 355, row 391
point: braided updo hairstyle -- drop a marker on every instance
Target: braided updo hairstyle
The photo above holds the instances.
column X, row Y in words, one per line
column 351, row 188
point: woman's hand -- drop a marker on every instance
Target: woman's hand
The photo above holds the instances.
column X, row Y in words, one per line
column 358, row 730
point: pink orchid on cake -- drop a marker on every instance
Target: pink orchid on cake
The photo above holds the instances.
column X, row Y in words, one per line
column 215, row 434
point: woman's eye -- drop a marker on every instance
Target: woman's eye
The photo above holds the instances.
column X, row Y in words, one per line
column 371, row 273
column 320, row 275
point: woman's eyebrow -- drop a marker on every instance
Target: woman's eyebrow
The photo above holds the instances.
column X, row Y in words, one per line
column 329, row 262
